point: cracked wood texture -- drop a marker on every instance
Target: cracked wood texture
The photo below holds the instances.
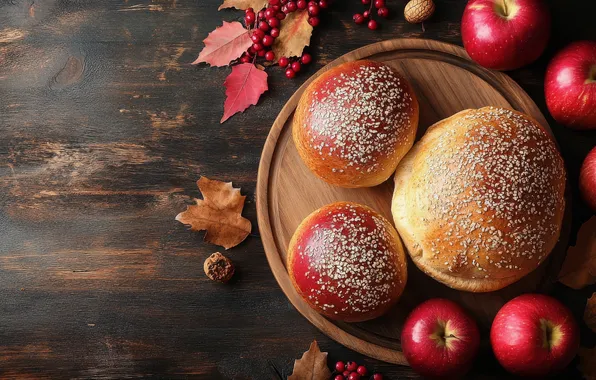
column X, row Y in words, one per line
column 104, row 129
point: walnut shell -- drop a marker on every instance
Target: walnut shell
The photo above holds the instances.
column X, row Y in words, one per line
column 417, row 11
column 219, row 268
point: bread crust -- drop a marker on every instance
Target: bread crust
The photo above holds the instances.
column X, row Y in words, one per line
column 347, row 262
column 355, row 122
column 479, row 200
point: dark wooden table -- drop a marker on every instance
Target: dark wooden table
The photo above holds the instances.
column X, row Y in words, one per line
column 104, row 129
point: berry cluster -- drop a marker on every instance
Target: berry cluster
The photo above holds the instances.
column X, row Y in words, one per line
column 352, row 371
column 382, row 11
column 265, row 28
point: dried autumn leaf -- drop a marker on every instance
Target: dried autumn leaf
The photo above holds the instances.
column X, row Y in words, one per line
column 257, row 5
column 587, row 363
column 312, row 365
column 294, row 35
column 579, row 268
column 219, row 213
column 590, row 313
column 224, row 44
column 244, row 87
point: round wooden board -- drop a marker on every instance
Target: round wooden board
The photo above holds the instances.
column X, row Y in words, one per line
column 446, row 81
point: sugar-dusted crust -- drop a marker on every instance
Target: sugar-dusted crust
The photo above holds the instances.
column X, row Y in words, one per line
column 479, row 200
column 347, row 262
column 355, row 122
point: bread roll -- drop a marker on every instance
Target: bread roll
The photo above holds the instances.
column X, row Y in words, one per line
column 355, row 122
column 347, row 262
column 479, row 200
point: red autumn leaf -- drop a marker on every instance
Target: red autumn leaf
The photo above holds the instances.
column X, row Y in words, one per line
column 244, row 87
column 224, row 44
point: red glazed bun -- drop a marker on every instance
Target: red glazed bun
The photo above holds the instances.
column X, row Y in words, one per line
column 355, row 122
column 347, row 262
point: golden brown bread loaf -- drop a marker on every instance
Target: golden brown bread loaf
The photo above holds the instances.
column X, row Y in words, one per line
column 355, row 122
column 479, row 200
column 347, row 262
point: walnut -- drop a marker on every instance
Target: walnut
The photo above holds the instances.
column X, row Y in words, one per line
column 417, row 11
column 219, row 268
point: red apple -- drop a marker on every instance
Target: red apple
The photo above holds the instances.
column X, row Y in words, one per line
column 505, row 34
column 534, row 335
column 570, row 85
column 587, row 179
column 439, row 339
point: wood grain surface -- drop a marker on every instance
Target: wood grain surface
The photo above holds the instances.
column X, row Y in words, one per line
column 104, row 129
column 446, row 81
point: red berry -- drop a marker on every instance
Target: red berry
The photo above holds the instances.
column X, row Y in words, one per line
column 296, row 66
column 280, row 15
column 264, row 26
column 259, row 32
column 340, row 366
column 361, row 370
column 261, row 14
column 256, row 38
column 313, row 9
column 358, row 18
column 284, row 61
column 351, row 366
column 291, row 6
column 379, row 3
column 257, row 47
column 273, row 2
column 270, row 56
column 249, row 10
column 245, row 59
column 268, row 40
column 346, row 374
column 354, row 376
column 273, row 22
column 290, row 73
column 261, row 53
column 274, row 32
column 301, row 4
column 339, row 377
column 365, row 14
column 314, row 21
column 377, row 376
column 365, row 2
column 251, row 50
column 249, row 18
column 373, row 25
column 323, row 4
column 306, row 59
column 383, row 12
column 270, row 12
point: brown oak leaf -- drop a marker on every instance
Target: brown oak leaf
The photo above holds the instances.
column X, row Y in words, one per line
column 312, row 365
column 579, row 268
column 587, row 363
column 294, row 35
column 257, row 5
column 590, row 313
column 219, row 213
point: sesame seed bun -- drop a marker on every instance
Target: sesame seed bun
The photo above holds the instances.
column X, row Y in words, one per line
column 347, row 262
column 479, row 200
column 355, row 122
